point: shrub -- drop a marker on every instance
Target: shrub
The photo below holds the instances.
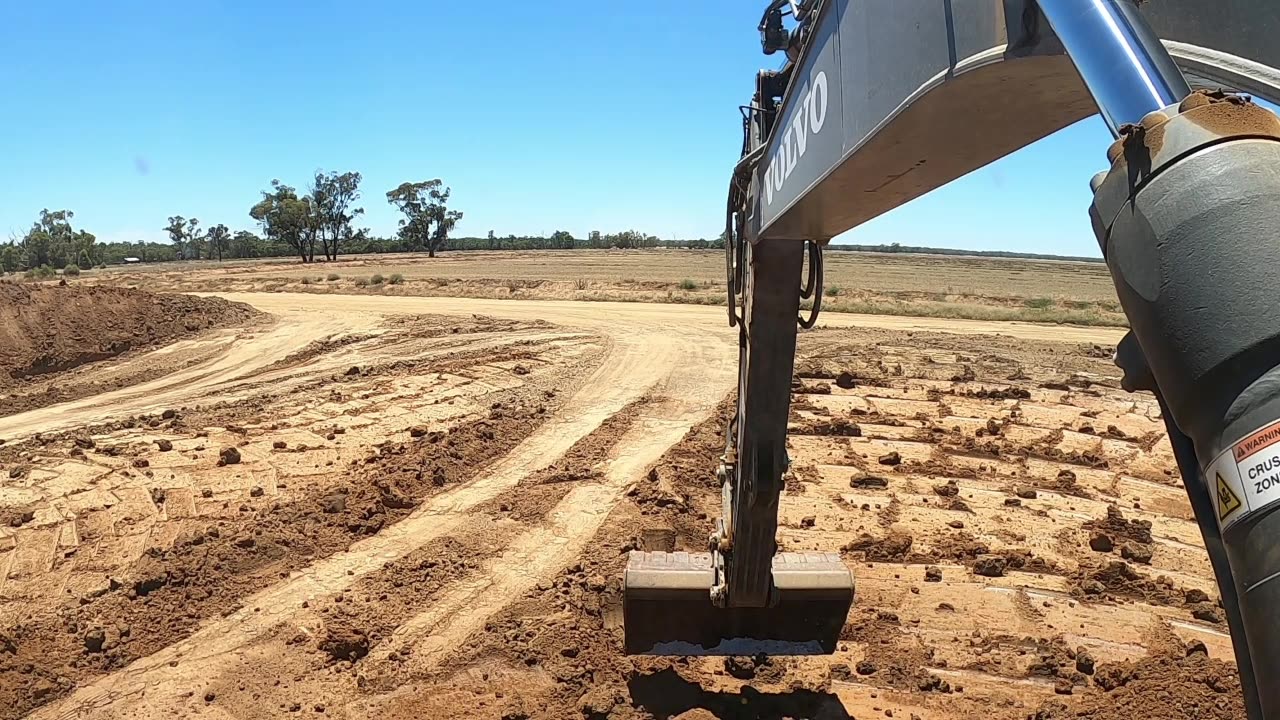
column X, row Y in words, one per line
column 71, row 270
column 580, row 284
column 1041, row 303
column 687, row 284
column 306, row 281
column 832, row 291
column 377, row 280
column 362, row 282
column 331, row 277
column 396, row 279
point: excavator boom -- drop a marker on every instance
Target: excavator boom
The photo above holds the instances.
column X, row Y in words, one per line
column 881, row 102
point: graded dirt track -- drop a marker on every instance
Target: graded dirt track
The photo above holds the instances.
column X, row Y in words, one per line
column 419, row 507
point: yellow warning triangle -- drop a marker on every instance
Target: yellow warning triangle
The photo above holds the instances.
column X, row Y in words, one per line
column 1227, row 500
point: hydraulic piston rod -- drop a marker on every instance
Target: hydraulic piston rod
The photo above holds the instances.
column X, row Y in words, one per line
column 1123, row 64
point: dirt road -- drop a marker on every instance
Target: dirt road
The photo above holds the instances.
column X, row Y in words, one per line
column 418, row 507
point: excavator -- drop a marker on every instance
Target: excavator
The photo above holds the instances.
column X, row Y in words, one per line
column 878, row 102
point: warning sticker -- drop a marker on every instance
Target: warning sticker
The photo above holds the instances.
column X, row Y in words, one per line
column 1228, row 500
column 1246, row 477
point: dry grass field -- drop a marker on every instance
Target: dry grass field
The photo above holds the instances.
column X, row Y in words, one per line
column 881, row 284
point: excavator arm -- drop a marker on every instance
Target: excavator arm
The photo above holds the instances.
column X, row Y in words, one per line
column 878, row 103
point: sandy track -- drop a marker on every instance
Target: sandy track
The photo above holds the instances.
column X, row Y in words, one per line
column 682, row 355
column 620, row 317
column 683, row 364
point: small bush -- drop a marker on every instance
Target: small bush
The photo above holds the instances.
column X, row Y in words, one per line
column 580, row 284
column 396, row 279
column 71, row 270
column 102, row 266
column 306, row 281
column 1041, row 303
column 832, row 291
column 377, row 280
column 44, row 272
column 362, row 282
column 331, row 277
column 687, row 284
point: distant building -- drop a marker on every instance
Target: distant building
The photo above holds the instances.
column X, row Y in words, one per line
column 131, row 261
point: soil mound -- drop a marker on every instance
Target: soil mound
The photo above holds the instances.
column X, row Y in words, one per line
column 49, row 328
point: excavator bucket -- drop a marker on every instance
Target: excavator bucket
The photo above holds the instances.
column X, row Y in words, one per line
column 667, row 607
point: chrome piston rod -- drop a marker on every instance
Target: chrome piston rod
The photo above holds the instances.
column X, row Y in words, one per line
column 1122, row 62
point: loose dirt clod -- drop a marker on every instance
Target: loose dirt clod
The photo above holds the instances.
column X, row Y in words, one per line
column 890, row 548
column 990, row 566
column 948, row 489
column 1163, row 686
column 868, row 481
column 1117, row 526
column 342, row 642
column 1100, row 542
column 1135, row 552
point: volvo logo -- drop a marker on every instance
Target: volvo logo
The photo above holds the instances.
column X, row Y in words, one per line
column 807, row 122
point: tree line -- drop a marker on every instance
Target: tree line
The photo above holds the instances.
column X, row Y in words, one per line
column 320, row 220
column 926, row 250
column 322, row 217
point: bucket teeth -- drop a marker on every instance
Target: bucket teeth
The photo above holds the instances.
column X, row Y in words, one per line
column 667, row 607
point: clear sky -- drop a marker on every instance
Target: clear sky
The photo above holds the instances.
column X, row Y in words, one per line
column 542, row 116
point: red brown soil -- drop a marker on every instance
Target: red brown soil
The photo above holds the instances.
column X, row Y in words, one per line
column 1117, row 527
column 209, row 570
column 47, row 328
column 566, row 627
column 1167, row 686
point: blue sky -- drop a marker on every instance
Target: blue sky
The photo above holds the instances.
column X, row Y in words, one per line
column 578, row 116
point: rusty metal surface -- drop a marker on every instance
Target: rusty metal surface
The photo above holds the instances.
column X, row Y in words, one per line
column 1203, row 118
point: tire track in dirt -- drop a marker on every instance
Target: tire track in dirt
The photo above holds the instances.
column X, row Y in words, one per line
column 542, row 552
column 642, row 360
column 681, row 353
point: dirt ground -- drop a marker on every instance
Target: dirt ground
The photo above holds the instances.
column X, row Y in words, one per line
column 420, row 507
column 883, row 284
column 47, row 330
